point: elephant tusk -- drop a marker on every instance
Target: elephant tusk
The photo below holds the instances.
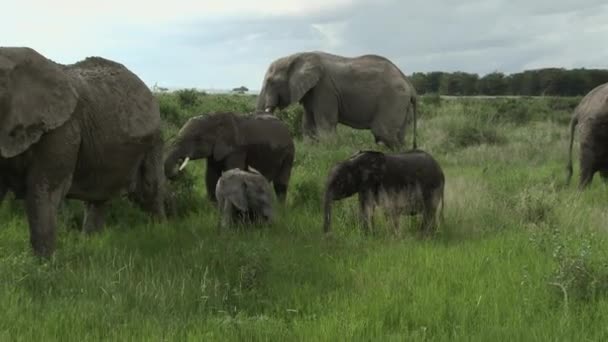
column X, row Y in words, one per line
column 268, row 110
column 181, row 167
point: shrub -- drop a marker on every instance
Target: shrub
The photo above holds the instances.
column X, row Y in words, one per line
column 292, row 116
column 188, row 97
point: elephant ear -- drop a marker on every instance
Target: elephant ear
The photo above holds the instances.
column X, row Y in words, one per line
column 39, row 98
column 305, row 74
column 238, row 195
column 228, row 136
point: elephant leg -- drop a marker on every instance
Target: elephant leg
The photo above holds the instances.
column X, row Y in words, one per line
column 212, row 175
column 281, row 183
column 389, row 124
column 41, row 203
column 49, row 179
column 309, row 128
column 322, row 105
column 366, row 210
column 429, row 213
column 94, row 217
column 150, row 189
column 587, row 168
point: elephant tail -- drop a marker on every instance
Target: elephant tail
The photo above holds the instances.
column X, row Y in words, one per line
column 573, row 124
column 414, row 101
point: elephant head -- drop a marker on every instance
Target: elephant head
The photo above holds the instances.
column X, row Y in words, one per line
column 208, row 136
column 247, row 192
column 36, row 96
column 288, row 79
column 361, row 172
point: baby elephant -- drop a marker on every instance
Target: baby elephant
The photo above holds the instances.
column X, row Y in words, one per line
column 404, row 183
column 244, row 196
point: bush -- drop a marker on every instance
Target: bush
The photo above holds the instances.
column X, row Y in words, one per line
column 181, row 197
column 292, row 116
column 189, row 97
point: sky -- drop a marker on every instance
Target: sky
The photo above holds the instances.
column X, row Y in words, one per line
column 222, row 44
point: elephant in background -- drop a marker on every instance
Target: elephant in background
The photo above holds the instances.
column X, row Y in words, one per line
column 366, row 92
column 591, row 116
column 404, row 183
column 243, row 195
column 86, row 131
column 229, row 141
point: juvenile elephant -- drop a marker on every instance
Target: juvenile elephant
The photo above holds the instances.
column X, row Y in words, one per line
column 229, row 141
column 366, row 92
column 85, row 131
column 243, row 195
column 404, row 183
column 591, row 116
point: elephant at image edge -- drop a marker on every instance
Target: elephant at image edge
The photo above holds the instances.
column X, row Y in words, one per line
column 229, row 141
column 366, row 92
column 85, row 131
column 591, row 116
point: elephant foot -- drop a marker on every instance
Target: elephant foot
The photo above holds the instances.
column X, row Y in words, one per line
column 94, row 218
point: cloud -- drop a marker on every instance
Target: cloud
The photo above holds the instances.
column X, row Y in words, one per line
column 230, row 43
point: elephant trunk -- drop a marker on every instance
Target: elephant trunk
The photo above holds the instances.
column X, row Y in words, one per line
column 573, row 124
column 327, row 202
column 176, row 155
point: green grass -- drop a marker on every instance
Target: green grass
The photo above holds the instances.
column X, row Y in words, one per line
column 520, row 255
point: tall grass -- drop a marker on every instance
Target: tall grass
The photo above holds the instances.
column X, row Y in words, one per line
column 520, row 255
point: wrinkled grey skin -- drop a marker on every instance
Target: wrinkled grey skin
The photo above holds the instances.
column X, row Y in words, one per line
column 230, row 141
column 243, row 196
column 404, row 183
column 85, row 131
column 366, row 92
column 591, row 116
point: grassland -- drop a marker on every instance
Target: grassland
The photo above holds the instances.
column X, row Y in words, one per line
column 520, row 256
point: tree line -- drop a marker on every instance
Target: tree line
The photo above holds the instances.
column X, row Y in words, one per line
column 548, row 81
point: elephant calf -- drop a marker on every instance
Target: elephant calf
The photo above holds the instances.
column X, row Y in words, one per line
column 411, row 182
column 228, row 141
column 243, row 195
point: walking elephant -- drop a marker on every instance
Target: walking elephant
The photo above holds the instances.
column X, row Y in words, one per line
column 591, row 116
column 366, row 92
column 404, row 183
column 86, row 131
column 229, row 141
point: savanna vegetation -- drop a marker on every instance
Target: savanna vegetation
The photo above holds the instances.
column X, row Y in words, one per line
column 520, row 255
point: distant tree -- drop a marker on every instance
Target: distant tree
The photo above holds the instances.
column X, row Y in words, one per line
column 420, row 82
column 240, row 90
column 493, row 84
column 458, row 83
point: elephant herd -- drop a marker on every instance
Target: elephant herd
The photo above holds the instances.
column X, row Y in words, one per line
column 92, row 131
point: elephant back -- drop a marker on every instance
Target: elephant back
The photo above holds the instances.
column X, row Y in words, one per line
column 109, row 91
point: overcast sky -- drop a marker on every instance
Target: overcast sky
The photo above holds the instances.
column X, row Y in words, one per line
column 228, row 43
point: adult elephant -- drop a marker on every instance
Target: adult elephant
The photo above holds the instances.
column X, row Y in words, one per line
column 366, row 92
column 591, row 116
column 85, row 131
column 229, row 141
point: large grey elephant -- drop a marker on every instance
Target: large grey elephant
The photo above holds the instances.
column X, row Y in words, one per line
column 229, row 141
column 591, row 116
column 86, row 131
column 366, row 92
